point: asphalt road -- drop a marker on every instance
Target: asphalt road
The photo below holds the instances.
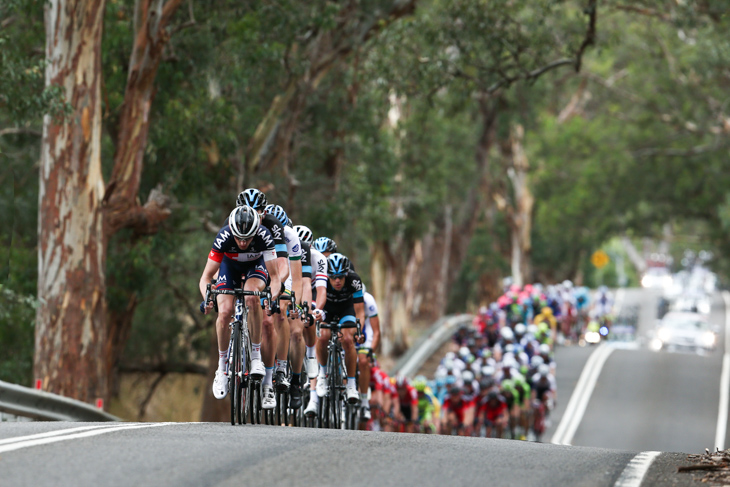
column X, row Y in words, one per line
column 645, row 400
column 202, row 454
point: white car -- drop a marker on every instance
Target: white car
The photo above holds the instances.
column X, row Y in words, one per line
column 684, row 331
column 657, row 277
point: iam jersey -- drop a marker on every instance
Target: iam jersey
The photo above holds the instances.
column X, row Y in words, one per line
column 225, row 245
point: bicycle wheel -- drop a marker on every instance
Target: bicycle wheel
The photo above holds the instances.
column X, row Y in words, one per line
column 334, row 391
column 234, row 377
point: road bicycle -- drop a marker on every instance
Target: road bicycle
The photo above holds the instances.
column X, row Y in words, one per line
column 330, row 410
column 244, row 394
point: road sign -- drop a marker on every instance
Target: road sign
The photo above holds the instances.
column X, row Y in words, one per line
column 600, row 259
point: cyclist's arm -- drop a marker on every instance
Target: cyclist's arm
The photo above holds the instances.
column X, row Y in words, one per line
column 375, row 325
column 211, row 269
column 296, row 279
column 282, row 269
column 272, row 268
column 359, row 311
column 306, row 291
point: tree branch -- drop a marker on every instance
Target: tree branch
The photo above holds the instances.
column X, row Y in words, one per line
column 185, row 25
column 590, row 38
column 20, row 130
column 643, row 11
column 692, row 151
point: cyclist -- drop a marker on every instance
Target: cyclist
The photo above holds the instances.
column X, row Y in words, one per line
column 318, row 298
column 408, row 403
column 244, row 251
column 293, row 283
column 429, row 408
column 255, row 199
column 371, row 330
column 493, row 414
column 345, row 300
column 458, row 413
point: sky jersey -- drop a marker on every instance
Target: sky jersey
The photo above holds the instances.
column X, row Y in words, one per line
column 319, row 269
column 306, row 260
column 225, row 245
column 294, row 250
column 277, row 231
column 350, row 293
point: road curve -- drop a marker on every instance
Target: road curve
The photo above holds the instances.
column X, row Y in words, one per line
column 213, row 454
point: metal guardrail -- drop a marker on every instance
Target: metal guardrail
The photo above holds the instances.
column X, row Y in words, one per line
column 429, row 342
column 45, row 406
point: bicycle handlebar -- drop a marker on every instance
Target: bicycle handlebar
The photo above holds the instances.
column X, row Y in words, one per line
column 210, row 294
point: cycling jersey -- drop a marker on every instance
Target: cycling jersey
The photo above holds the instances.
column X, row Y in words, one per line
column 458, row 407
column 235, row 263
column 294, row 251
column 341, row 303
column 277, row 231
column 319, row 269
column 306, row 260
column 371, row 311
column 408, row 397
column 492, row 411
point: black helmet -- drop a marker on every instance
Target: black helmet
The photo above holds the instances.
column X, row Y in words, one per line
column 244, row 222
column 251, row 197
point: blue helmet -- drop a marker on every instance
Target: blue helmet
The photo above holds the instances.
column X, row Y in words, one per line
column 324, row 244
column 251, row 197
column 337, row 265
column 278, row 212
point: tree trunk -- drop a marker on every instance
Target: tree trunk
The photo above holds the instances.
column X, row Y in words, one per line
column 391, row 279
column 77, row 344
column 520, row 218
column 122, row 208
column 70, row 335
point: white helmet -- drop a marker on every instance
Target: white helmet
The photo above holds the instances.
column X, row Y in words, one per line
column 467, row 376
column 543, row 370
column 464, row 352
column 487, row 371
column 507, row 333
column 244, row 222
column 544, row 349
column 520, row 329
column 536, row 361
column 305, row 234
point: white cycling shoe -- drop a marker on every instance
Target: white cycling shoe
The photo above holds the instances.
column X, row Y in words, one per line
column 311, row 409
column 257, row 369
column 269, row 398
column 353, row 396
column 321, row 385
column 220, row 385
column 312, row 367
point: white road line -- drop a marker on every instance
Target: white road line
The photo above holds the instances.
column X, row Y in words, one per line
column 634, row 473
column 724, row 380
column 87, row 434
column 48, row 434
column 581, row 396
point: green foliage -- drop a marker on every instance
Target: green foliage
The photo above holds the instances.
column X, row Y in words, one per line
column 17, row 318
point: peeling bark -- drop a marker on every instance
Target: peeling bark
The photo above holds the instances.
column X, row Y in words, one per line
column 71, row 335
column 151, row 18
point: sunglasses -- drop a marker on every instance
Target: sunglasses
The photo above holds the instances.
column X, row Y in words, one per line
column 338, row 276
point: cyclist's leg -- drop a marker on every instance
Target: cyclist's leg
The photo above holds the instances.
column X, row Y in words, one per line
column 296, row 356
column 260, row 324
column 283, row 332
